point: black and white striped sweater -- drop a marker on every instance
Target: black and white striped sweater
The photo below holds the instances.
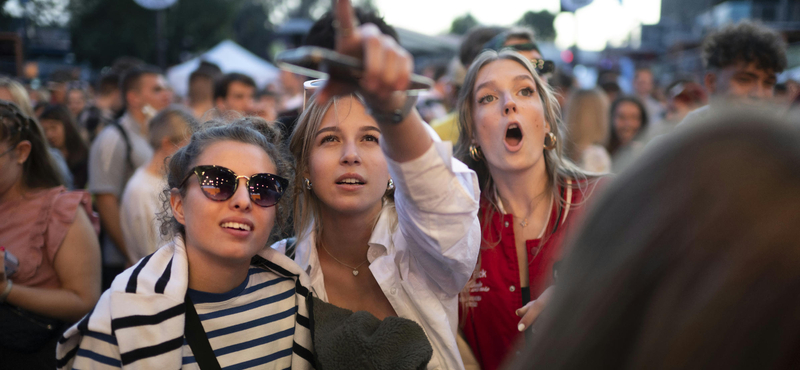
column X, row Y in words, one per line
column 143, row 314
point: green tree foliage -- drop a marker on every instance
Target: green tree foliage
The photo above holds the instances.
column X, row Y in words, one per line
column 103, row 30
column 541, row 22
column 462, row 24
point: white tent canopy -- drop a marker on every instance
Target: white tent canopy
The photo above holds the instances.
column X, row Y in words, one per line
column 230, row 57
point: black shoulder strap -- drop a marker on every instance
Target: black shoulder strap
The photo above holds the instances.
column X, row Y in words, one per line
column 197, row 339
column 127, row 140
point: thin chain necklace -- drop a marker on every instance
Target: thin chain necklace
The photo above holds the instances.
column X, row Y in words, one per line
column 355, row 269
column 524, row 221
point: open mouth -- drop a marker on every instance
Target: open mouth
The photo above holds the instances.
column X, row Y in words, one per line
column 513, row 135
column 350, row 181
column 235, row 226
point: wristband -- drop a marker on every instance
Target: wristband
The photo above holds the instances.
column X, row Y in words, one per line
column 398, row 115
column 7, row 290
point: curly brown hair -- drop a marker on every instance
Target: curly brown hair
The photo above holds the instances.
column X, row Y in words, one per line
column 746, row 42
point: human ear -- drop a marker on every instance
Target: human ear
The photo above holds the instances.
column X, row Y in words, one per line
column 176, row 202
column 23, row 151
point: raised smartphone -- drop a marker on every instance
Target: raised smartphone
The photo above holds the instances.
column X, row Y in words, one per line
column 317, row 62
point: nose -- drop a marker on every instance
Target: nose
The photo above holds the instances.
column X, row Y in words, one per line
column 510, row 106
column 350, row 155
column 761, row 91
column 241, row 198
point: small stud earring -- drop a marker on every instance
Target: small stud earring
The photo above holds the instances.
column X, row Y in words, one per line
column 307, row 183
column 391, row 185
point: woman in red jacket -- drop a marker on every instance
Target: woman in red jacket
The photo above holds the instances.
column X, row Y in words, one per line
column 509, row 134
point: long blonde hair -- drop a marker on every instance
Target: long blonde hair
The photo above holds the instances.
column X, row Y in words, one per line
column 586, row 122
column 306, row 204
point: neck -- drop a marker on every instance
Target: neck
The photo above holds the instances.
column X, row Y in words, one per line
column 15, row 192
column 226, row 274
column 346, row 236
column 200, row 107
column 523, row 192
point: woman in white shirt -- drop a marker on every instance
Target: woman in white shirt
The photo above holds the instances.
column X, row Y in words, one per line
column 386, row 219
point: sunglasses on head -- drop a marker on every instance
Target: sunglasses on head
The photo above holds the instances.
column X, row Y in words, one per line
column 219, row 184
column 543, row 66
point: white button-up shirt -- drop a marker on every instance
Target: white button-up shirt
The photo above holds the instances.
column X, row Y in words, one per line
column 425, row 258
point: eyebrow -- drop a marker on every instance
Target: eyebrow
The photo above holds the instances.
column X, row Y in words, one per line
column 519, row 77
column 336, row 129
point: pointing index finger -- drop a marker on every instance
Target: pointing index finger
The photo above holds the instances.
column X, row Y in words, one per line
column 345, row 19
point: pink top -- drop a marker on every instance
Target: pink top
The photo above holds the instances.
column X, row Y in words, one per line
column 34, row 227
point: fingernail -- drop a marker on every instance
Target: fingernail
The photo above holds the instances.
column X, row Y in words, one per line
column 517, row 312
column 521, row 327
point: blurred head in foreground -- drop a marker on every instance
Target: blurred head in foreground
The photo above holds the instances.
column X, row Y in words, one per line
column 690, row 260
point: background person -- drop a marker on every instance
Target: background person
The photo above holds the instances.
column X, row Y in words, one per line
column 62, row 134
column 742, row 63
column 52, row 232
column 167, row 132
column 587, row 130
column 235, row 92
column 628, row 125
column 116, row 153
column 689, row 260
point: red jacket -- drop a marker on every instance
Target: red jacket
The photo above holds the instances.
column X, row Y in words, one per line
column 490, row 325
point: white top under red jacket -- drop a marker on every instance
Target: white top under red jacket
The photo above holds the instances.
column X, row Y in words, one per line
column 426, row 260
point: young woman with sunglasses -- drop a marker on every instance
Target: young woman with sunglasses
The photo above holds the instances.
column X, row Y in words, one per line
column 509, row 124
column 385, row 217
column 225, row 201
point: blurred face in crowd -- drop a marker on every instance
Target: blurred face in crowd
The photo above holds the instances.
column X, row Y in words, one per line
column 211, row 230
column 509, row 117
column 643, row 82
column 347, row 167
column 627, row 121
column 742, row 81
column 76, row 101
column 153, row 91
column 267, row 107
column 528, row 54
column 54, row 132
column 240, row 98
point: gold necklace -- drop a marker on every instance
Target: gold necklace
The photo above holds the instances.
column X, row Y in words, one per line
column 355, row 269
column 524, row 221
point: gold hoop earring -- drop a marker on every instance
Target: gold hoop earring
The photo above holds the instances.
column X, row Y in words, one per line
column 390, row 186
column 307, row 183
column 475, row 153
column 550, row 141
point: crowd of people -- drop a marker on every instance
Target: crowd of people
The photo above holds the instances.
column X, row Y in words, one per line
column 475, row 226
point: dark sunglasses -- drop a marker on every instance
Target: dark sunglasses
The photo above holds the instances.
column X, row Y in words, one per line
column 543, row 66
column 219, row 184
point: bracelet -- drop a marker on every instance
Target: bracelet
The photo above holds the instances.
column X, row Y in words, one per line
column 399, row 114
column 6, row 291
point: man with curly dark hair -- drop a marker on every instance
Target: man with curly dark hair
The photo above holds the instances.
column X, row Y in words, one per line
column 742, row 63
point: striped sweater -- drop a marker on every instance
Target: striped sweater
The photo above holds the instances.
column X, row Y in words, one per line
column 139, row 322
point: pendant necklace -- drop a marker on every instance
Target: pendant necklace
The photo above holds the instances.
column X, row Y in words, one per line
column 355, row 269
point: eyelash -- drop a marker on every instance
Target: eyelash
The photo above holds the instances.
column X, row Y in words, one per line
column 331, row 138
column 483, row 99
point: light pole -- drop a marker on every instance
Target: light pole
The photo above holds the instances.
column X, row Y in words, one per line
column 161, row 21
